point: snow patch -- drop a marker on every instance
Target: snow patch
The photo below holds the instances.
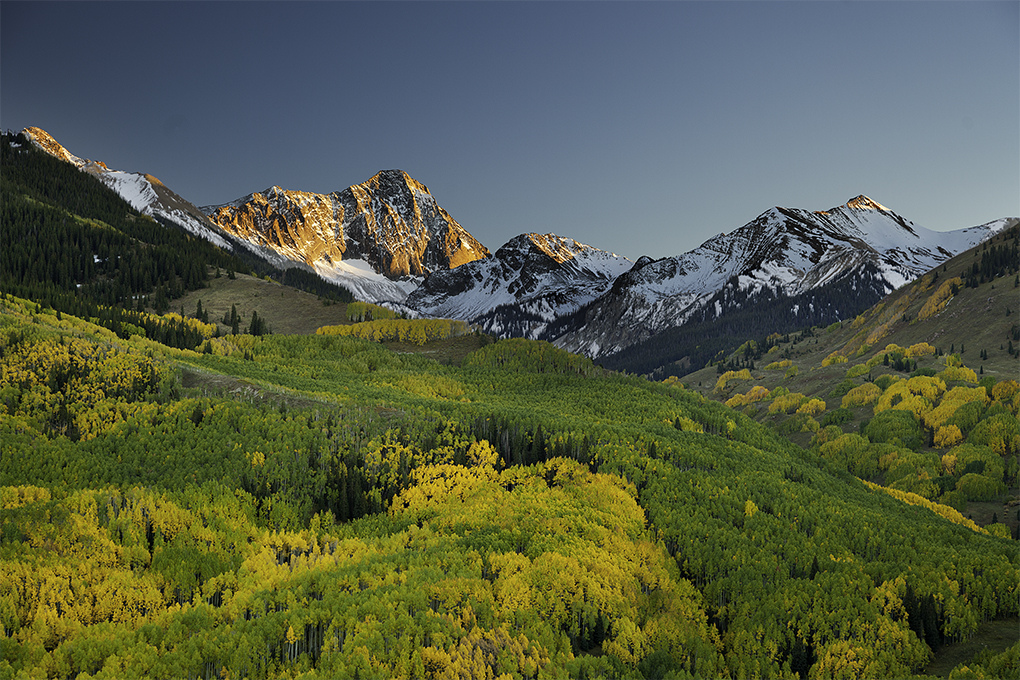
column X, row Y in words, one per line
column 367, row 284
column 133, row 188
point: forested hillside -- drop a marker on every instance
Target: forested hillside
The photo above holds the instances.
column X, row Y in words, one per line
column 322, row 505
column 917, row 393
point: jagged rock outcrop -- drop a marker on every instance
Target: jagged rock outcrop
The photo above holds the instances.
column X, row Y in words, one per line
column 391, row 223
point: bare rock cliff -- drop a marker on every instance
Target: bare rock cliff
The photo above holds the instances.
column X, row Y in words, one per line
column 391, row 221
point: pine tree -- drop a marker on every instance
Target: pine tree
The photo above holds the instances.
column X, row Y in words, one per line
column 800, row 658
column 257, row 325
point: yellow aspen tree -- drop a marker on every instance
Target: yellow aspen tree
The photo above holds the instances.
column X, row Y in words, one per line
column 947, row 435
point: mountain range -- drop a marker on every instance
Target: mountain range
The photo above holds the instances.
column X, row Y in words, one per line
column 783, row 253
column 390, row 242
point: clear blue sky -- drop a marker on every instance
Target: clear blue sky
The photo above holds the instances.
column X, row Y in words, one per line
column 640, row 128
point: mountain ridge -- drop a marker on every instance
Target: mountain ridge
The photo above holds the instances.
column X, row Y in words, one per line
column 389, row 241
column 143, row 191
column 789, row 250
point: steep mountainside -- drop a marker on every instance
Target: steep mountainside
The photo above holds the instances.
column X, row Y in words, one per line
column 922, row 366
column 145, row 193
column 786, row 250
column 965, row 306
column 390, row 226
column 530, row 281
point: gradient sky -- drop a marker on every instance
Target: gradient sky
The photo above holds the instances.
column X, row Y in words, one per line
column 643, row 128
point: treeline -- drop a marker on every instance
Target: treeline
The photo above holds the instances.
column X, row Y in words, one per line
column 517, row 355
column 366, row 311
column 51, row 255
column 413, row 331
column 997, row 260
column 310, row 282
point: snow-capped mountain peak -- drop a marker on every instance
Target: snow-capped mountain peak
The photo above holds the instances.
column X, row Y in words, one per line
column 788, row 250
column 862, row 202
column 47, row 143
column 531, row 280
column 558, row 248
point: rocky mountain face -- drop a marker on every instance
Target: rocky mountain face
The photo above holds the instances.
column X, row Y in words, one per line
column 390, row 225
column 145, row 193
column 787, row 250
column 530, row 281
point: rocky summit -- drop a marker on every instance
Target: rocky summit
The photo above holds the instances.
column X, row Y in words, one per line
column 391, row 222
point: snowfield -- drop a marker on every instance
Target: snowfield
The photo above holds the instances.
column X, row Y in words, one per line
column 367, row 284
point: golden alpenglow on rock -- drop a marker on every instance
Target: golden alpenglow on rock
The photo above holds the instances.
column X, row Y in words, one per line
column 391, row 221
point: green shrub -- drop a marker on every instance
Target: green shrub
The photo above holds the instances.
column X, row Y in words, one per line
column 979, row 487
column 841, row 389
column 883, row 381
column 837, row 417
column 892, row 426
